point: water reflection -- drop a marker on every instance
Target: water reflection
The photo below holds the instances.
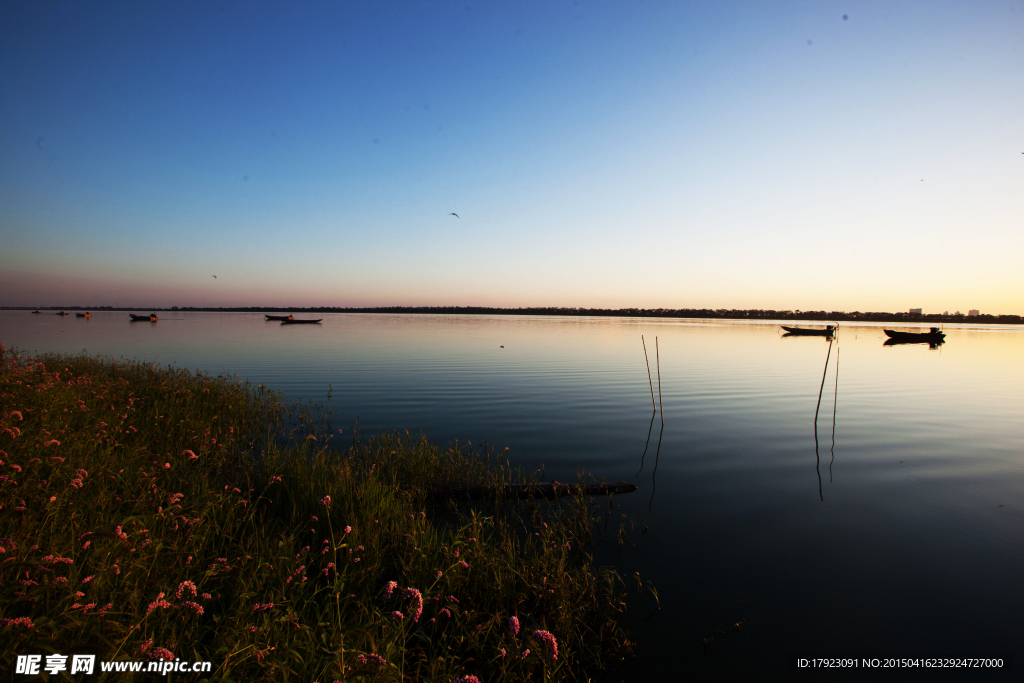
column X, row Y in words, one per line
column 654, row 475
column 932, row 344
column 835, row 403
column 817, row 458
column 647, row 445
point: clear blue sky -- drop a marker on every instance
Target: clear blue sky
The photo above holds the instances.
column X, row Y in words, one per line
column 610, row 154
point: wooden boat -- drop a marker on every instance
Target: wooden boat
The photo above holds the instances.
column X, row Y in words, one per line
column 83, row 315
column 277, row 317
column 300, row 322
column 143, row 318
column 62, row 314
column 807, row 331
column 933, row 336
column 36, row 313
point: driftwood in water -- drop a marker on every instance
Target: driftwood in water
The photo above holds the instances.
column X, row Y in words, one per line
column 540, row 490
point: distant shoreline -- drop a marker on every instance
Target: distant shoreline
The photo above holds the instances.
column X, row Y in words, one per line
column 730, row 314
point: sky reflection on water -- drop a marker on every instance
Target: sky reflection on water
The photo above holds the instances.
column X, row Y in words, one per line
column 915, row 541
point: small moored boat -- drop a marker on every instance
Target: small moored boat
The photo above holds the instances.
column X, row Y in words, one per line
column 933, row 336
column 277, row 317
column 62, row 314
column 87, row 314
column 809, row 331
column 300, row 322
column 143, row 318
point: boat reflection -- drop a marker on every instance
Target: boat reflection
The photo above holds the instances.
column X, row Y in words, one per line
column 932, row 343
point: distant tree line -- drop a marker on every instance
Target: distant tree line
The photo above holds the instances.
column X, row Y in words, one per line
column 726, row 313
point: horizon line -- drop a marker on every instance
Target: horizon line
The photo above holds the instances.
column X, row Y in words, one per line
column 732, row 313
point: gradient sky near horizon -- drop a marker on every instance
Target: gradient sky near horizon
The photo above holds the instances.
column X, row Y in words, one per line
column 789, row 155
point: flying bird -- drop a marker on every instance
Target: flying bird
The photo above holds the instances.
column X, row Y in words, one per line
column 214, row 277
column 455, row 214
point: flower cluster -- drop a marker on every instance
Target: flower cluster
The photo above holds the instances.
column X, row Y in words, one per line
column 417, row 601
column 185, row 584
column 550, row 644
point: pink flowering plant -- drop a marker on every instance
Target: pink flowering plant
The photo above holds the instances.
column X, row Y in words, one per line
column 247, row 542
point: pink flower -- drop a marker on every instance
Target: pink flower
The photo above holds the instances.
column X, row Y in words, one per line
column 159, row 602
column 550, row 644
column 51, row 442
column 194, row 607
column 513, row 625
column 526, row 653
column 160, row 653
column 23, row 622
column 376, row 658
column 145, row 645
column 262, row 608
column 503, row 653
column 467, row 679
column 417, row 600
column 397, row 616
column 185, row 584
column 88, row 578
column 348, row 530
column 325, row 501
column 167, row 465
column 391, row 586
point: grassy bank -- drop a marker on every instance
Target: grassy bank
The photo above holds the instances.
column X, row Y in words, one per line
column 153, row 513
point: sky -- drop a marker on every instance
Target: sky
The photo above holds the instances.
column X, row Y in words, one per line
column 789, row 155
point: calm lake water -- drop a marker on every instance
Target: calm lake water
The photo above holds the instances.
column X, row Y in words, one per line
column 903, row 533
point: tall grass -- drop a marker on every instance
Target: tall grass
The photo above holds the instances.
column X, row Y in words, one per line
column 153, row 513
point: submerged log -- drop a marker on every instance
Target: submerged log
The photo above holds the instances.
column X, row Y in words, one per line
column 541, row 490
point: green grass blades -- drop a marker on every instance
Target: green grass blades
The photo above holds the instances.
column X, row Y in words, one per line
column 150, row 513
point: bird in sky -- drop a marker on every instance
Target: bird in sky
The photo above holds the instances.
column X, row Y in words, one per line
column 214, row 277
column 455, row 214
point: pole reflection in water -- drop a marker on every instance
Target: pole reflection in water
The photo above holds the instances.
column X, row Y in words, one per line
column 647, row 445
column 817, row 458
column 657, row 456
column 835, row 402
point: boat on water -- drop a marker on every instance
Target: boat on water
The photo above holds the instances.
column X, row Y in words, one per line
column 291, row 321
column 810, row 331
column 277, row 317
column 933, row 336
column 87, row 314
column 62, row 314
column 143, row 318
column 36, row 312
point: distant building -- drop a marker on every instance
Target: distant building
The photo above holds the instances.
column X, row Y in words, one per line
column 915, row 311
column 973, row 312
